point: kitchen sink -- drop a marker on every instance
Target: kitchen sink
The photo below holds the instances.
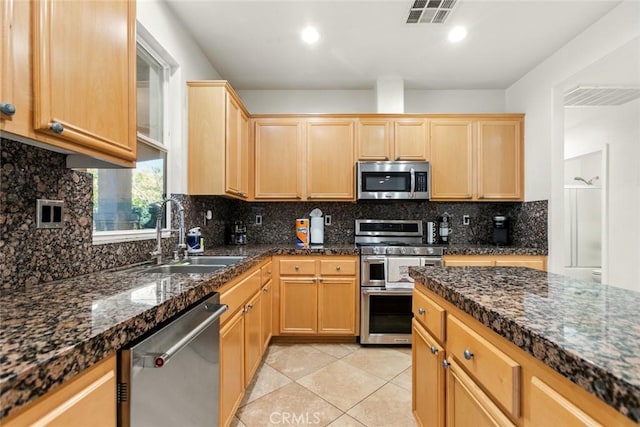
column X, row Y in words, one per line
column 183, row 268
column 214, row 260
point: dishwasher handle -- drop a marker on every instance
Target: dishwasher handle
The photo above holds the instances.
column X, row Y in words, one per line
column 161, row 359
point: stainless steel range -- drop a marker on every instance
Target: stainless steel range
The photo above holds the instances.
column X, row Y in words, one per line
column 387, row 249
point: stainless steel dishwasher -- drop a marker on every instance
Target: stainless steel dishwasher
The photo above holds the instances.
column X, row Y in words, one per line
column 171, row 378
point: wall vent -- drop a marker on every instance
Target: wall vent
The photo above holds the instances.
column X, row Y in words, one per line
column 430, row 11
column 600, row 96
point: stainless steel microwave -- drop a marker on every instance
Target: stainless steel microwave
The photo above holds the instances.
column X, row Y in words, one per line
column 395, row 180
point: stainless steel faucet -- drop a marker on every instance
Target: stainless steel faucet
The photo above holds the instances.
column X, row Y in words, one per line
column 179, row 252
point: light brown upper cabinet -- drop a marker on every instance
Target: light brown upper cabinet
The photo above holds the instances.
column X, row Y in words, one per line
column 304, row 159
column 330, row 164
column 68, row 76
column 479, row 159
column 218, row 147
column 279, row 155
column 392, row 139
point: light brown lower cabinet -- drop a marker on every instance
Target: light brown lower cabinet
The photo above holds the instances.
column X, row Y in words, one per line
column 87, row 400
column 231, row 368
column 428, row 391
column 538, row 262
column 489, row 380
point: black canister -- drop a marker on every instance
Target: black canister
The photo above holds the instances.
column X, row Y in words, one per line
column 500, row 230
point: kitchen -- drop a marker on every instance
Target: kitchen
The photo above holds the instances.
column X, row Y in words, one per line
column 40, row 261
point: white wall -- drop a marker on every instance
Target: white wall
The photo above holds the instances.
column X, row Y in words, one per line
column 156, row 19
column 619, row 127
column 364, row 101
column 539, row 95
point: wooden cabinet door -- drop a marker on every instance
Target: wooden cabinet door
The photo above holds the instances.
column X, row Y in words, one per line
column 428, row 381
column 411, row 138
column 337, row 306
column 15, row 67
column 266, row 308
column 468, row 261
column 279, row 157
column 467, row 405
column 231, row 367
column 500, row 160
column 330, row 165
column 451, row 159
column 237, row 150
column 298, row 305
column 531, row 261
column 84, row 65
column 87, row 400
column 252, row 336
column 548, row 407
column 373, row 139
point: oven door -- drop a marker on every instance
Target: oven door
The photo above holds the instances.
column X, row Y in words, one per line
column 385, row 316
column 372, row 270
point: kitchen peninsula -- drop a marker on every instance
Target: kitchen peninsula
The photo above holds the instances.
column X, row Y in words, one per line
column 530, row 347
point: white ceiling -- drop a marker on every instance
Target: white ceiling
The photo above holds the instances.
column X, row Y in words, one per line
column 256, row 44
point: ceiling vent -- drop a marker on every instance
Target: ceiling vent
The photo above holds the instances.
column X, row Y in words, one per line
column 430, row 11
column 600, row 96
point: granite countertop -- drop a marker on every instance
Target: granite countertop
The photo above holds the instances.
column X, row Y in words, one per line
column 492, row 250
column 587, row 332
column 52, row 331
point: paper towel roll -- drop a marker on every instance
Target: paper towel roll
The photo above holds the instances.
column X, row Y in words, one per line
column 317, row 230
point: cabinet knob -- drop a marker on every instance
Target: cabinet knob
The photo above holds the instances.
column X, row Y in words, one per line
column 269, row 273
column 320, row 279
column 421, row 310
column 265, row 290
column 296, row 268
column 467, row 354
column 56, row 127
column 338, row 267
column 7, row 108
column 433, row 349
column 250, row 306
column 445, row 364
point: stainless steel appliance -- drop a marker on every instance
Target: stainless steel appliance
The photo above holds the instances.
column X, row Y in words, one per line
column 500, row 230
column 171, row 378
column 387, row 249
column 393, row 180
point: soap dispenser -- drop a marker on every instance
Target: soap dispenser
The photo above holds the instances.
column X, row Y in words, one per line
column 194, row 241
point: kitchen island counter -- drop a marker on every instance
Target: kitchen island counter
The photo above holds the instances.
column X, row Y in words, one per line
column 589, row 333
column 50, row 332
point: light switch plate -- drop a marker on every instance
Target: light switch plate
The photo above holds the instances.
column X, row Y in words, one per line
column 258, row 219
column 49, row 213
column 466, row 220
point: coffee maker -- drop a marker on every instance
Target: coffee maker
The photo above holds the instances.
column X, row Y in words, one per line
column 500, row 230
column 239, row 233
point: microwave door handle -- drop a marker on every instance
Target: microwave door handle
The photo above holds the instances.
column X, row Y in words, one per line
column 413, row 182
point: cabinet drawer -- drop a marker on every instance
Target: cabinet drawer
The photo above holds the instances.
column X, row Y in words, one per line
column 238, row 294
column 338, row 267
column 265, row 272
column 494, row 370
column 297, row 267
column 430, row 314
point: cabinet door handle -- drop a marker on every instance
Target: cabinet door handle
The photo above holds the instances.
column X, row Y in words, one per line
column 433, row 349
column 421, row 310
column 445, row 364
column 56, row 127
column 320, row 279
column 265, row 290
column 296, row 268
column 7, row 108
column 338, row 267
column 467, row 354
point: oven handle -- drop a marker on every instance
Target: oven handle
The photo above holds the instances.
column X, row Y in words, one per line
column 366, row 291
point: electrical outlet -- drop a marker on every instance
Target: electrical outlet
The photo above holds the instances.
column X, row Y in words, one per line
column 49, row 213
column 258, row 219
column 327, row 220
column 466, row 220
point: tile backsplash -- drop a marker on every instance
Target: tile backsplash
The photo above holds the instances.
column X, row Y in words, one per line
column 29, row 255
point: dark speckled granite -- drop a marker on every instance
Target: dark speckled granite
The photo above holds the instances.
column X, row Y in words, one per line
column 51, row 332
column 589, row 333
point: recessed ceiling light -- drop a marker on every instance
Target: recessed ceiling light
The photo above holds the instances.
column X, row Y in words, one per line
column 457, row 33
column 310, row 35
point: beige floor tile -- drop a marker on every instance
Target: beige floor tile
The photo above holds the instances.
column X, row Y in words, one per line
column 346, row 421
column 337, row 350
column 341, row 384
column 235, row 422
column 266, row 380
column 290, row 405
column 404, row 349
column 403, row 379
column 385, row 363
column 389, row 407
column 298, row 360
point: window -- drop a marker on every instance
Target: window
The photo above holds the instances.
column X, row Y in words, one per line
column 128, row 199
